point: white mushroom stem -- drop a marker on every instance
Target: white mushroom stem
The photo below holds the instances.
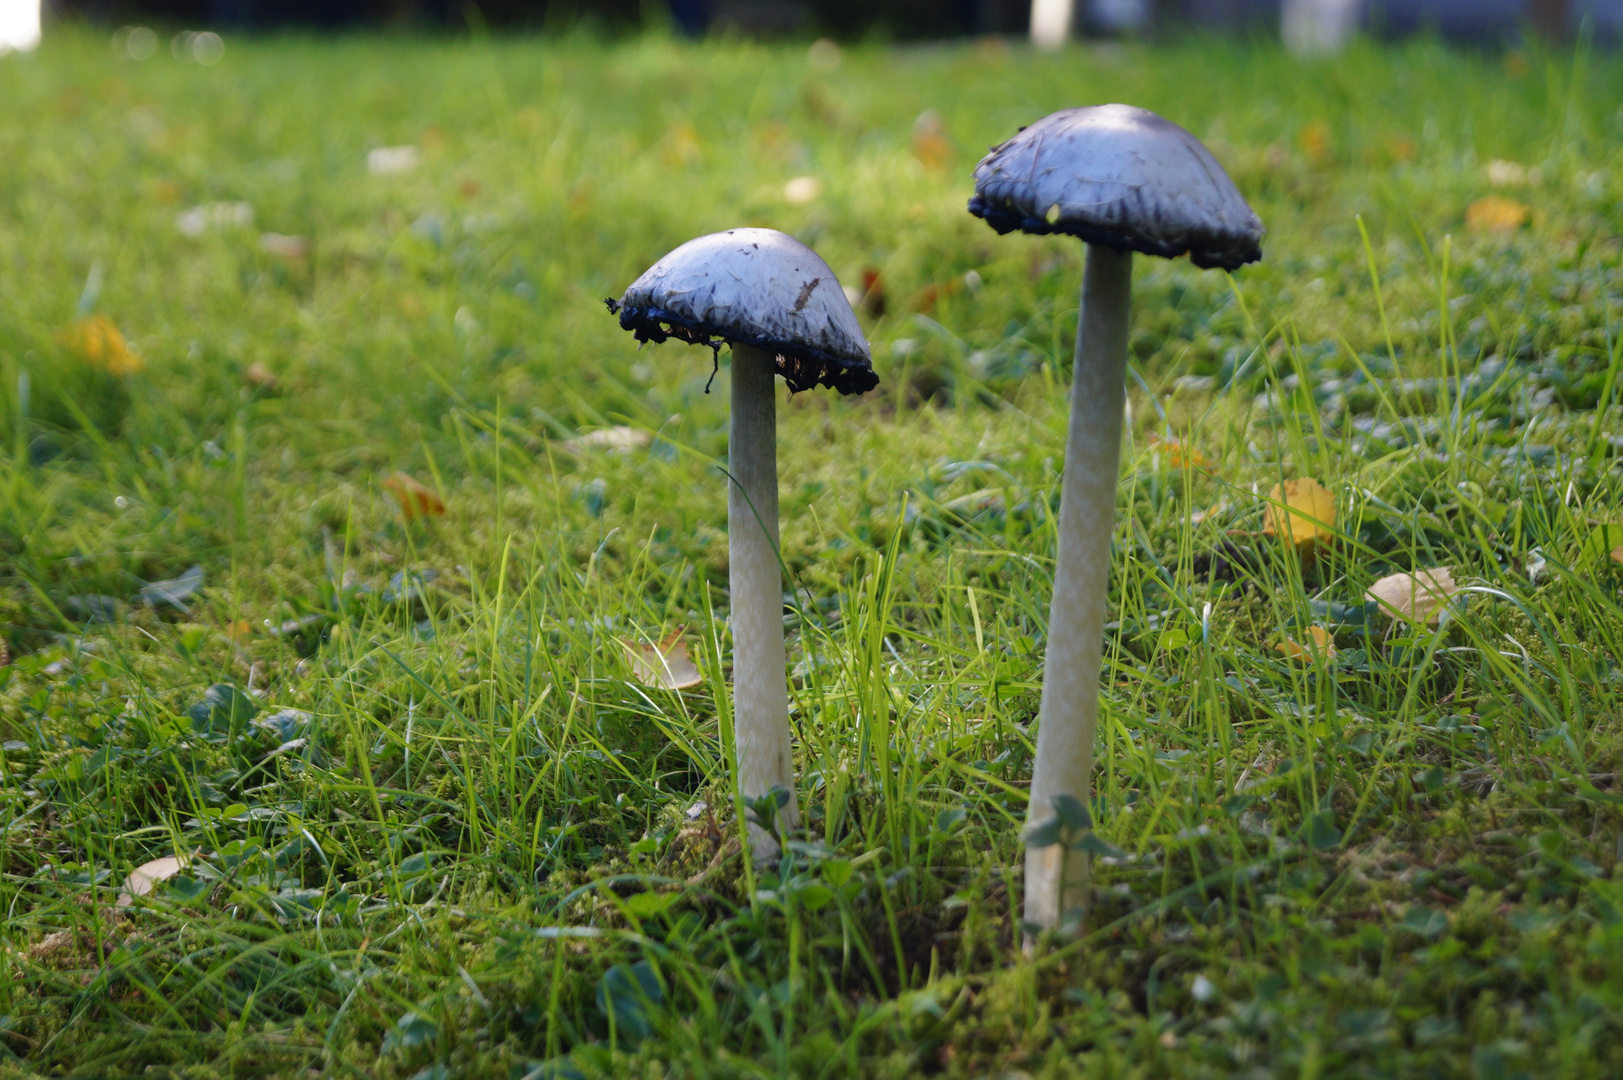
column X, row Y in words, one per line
column 760, row 681
column 1057, row 877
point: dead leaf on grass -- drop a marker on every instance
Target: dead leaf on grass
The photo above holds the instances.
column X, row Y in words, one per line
column 1496, row 214
column 144, row 877
column 665, row 665
column 931, row 144
column 261, row 378
column 1318, row 646
column 174, row 592
column 97, row 342
column 1315, row 142
column 415, row 498
column 1418, row 597
column 284, row 246
column 1179, row 454
column 1303, row 511
column 619, row 439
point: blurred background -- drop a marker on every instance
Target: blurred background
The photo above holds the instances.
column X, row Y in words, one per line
column 1307, row 25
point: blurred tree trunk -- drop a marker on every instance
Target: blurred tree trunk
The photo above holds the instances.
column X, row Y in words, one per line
column 1549, row 18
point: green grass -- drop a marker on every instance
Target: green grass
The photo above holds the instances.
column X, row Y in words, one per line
column 1400, row 862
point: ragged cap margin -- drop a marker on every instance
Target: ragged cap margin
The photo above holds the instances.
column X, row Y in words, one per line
column 802, row 366
column 1157, row 188
column 1205, row 251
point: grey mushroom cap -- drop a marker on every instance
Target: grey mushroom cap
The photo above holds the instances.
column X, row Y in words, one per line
column 1122, row 177
column 760, row 287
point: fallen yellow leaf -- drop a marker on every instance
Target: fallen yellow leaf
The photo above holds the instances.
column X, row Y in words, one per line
column 666, row 665
column 98, row 343
column 1303, row 511
column 1496, row 214
column 415, row 499
column 1180, row 455
column 930, row 142
column 1418, row 597
column 1315, row 140
column 1319, row 646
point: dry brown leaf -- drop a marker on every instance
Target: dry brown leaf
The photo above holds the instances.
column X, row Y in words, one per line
column 872, row 300
column 665, row 665
column 1303, row 511
column 1179, row 454
column 1319, row 645
column 1418, row 597
column 1616, row 554
column 416, row 500
column 1496, row 214
column 144, row 877
column 619, row 439
column 284, row 246
column 930, row 142
column 98, row 343
column 1315, row 140
column 260, row 378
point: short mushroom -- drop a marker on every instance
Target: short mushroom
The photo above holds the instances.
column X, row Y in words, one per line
column 1122, row 179
column 780, row 308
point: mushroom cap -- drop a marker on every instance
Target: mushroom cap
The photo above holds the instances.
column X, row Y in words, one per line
column 760, row 287
column 1122, row 177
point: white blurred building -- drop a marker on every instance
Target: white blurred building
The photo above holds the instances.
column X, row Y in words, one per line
column 19, row 25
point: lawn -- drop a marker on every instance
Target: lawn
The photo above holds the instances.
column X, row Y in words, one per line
column 339, row 521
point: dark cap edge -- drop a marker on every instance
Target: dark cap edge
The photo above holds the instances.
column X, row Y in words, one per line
column 802, row 366
column 1005, row 220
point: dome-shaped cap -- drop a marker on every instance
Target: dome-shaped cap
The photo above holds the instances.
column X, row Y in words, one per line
column 760, row 287
column 1121, row 177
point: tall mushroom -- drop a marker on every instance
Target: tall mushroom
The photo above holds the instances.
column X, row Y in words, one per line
column 1123, row 180
column 780, row 308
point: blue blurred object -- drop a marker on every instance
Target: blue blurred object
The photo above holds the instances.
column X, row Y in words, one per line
column 1457, row 20
column 1469, row 20
column 692, row 17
